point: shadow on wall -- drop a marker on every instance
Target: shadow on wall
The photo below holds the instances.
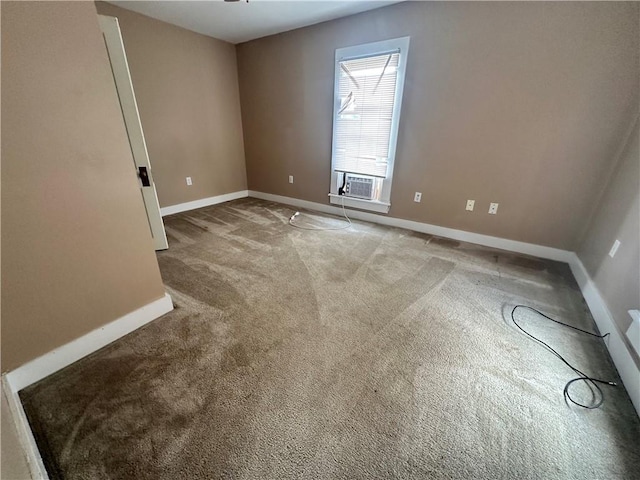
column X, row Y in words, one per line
column 618, row 218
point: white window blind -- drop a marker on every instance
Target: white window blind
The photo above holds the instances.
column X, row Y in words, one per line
column 364, row 116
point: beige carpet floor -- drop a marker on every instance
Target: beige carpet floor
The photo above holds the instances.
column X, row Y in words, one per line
column 370, row 352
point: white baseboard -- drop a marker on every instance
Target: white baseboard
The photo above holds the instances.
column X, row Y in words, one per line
column 59, row 358
column 41, row 367
column 477, row 238
column 618, row 349
column 203, row 202
column 25, row 435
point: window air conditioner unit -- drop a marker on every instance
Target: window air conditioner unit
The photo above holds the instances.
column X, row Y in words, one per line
column 359, row 186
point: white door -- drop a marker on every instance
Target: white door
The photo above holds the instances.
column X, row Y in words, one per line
column 122, row 78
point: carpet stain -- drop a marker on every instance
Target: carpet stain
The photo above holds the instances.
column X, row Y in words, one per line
column 239, row 355
column 445, row 242
column 530, row 263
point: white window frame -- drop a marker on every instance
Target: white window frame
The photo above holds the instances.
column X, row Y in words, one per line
column 366, row 50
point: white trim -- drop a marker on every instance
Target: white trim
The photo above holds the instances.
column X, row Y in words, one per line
column 60, row 357
column 627, row 368
column 477, row 238
column 371, row 205
column 203, row 202
column 25, row 435
column 633, row 332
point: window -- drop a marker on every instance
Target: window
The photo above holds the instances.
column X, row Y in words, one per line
column 369, row 80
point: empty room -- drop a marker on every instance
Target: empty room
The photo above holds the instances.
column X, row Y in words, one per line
column 320, row 240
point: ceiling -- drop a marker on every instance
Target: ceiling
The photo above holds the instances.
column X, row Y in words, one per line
column 240, row 21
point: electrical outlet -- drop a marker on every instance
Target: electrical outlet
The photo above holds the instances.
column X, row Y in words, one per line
column 493, row 208
column 290, row 178
column 417, row 197
column 189, row 182
column 614, row 248
column 470, row 205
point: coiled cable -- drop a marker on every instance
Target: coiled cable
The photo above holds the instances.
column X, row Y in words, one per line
column 593, row 383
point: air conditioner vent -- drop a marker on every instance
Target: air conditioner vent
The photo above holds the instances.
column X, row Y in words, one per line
column 359, row 186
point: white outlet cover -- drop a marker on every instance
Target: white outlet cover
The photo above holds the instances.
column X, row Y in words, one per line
column 290, row 178
column 493, row 208
column 614, row 248
column 470, row 205
column 417, row 197
column 189, row 182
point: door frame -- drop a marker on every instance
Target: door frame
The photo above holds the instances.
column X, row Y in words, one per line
column 126, row 95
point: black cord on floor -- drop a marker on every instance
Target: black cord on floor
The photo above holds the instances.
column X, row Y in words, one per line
column 583, row 377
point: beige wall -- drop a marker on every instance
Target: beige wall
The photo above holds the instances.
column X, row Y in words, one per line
column 618, row 217
column 186, row 85
column 77, row 251
column 517, row 103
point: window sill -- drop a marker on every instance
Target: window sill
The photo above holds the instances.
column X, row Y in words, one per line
column 362, row 204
